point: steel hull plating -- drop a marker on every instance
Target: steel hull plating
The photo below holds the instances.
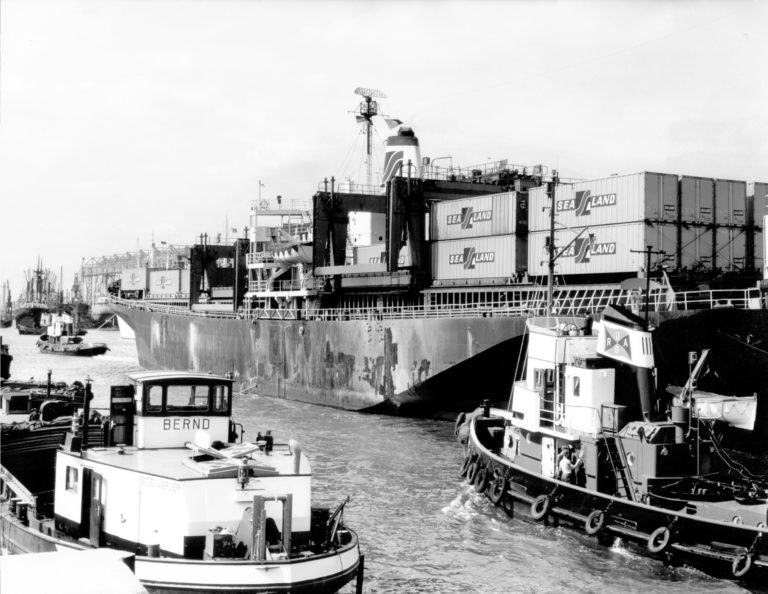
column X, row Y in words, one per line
column 416, row 367
column 408, row 366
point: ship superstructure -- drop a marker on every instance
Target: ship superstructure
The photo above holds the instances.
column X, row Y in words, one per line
column 397, row 295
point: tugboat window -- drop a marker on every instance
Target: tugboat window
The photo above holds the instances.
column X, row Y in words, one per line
column 577, row 386
column 155, row 399
column 71, row 482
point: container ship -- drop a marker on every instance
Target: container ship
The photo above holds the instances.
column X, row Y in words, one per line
column 403, row 297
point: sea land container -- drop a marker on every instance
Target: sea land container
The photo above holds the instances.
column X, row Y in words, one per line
column 696, row 248
column 377, row 254
column 133, row 279
column 616, row 199
column 609, row 249
column 480, row 216
column 730, row 202
column 697, row 200
column 497, row 256
column 730, row 249
column 757, row 198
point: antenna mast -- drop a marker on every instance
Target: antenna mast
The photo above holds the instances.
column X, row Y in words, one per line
column 364, row 114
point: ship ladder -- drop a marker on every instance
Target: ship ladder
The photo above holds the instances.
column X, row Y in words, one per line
column 618, row 459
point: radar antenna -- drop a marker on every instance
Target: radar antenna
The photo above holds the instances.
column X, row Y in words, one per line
column 364, row 114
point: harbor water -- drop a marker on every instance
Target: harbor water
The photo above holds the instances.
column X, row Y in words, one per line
column 421, row 528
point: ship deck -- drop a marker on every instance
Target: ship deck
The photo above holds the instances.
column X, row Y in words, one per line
column 178, row 464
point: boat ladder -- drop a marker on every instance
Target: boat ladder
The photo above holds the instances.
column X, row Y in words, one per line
column 618, row 459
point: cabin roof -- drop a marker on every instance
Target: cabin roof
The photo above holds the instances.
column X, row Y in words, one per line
column 175, row 463
column 145, row 376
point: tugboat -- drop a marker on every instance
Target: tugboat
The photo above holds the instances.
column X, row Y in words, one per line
column 63, row 339
column 201, row 512
column 579, row 445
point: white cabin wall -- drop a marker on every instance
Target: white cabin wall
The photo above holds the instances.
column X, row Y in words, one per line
column 596, row 387
column 174, row 432
column 67, row 503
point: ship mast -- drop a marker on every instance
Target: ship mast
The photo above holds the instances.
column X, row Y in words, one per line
column 364, row 114
column 552, row 255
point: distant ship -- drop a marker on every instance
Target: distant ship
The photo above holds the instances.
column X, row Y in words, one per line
column 6, row 313
column 39, row 297
column 410, row 312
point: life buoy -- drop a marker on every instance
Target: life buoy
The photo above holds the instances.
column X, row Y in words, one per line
column 481, row 480
column 659, row 539
column 741, row 565
column 540, row 507
column 497, row 490
column 595, row 522
column 465, row 466
column 472, row 471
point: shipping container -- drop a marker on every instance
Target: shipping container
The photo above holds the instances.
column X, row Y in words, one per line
column 480, row 216
column 697, row 200
column 498, row 256
column 607, row 201
column 164, row 282
column 757, row 194
column 697, row 247
column 731, row 249
column 608, row 249
column 377, row 254
column 730, row 202
column 133, row 279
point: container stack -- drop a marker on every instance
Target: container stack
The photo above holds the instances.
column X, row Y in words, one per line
column 604, row 226
column 479, row 240
column 757, row 209
column 714, row 225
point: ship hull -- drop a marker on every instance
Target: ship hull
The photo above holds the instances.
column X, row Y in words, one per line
column 425, row 367
column 413, row 367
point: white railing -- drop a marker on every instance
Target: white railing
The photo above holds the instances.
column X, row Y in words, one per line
column 265, row 286
column 527, row 302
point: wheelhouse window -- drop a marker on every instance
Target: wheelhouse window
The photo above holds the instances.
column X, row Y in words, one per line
column 155, row 399
column 576, row 386
column 187, row 398
column 220, row 398
column 71, row 479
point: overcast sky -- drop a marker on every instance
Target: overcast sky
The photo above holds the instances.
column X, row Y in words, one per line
column 125, row 120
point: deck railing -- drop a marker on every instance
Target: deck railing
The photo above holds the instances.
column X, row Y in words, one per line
column 573, row 301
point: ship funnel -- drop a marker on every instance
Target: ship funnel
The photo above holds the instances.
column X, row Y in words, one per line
column 402, row 146
column 625, row 337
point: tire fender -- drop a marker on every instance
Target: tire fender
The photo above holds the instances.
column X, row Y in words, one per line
column 498, row 489
column 465, row 466
column 595, row 522
column 481, row 480
column 472, row 472
column 540, row 507
column 659, row 540
column 741, row 565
